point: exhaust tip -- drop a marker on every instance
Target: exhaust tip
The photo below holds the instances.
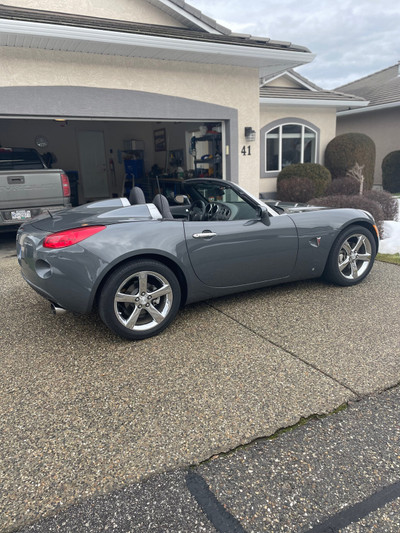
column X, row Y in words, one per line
column 57, row 310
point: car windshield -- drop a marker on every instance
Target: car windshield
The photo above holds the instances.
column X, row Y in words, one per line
column 212, row 192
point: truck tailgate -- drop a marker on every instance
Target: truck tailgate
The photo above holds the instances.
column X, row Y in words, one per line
column 28, row 188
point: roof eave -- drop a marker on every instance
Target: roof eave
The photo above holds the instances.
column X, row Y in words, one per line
column 89, row 40
column 313, row 102
column 368, row 109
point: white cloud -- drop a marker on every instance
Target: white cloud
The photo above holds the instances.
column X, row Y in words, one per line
column 352, row 38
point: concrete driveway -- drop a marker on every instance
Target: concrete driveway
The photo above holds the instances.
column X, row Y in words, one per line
column 83, row 412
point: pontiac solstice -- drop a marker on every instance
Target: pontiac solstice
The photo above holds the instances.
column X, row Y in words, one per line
column 138, row 263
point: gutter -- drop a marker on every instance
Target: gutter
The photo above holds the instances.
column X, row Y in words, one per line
column 159, row 46
column 370, row 108
column 313, row 102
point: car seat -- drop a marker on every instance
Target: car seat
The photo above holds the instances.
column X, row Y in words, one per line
column 162, row 205
column 136, row 196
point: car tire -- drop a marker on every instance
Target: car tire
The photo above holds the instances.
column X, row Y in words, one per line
column 140, row 299
column 351, row 257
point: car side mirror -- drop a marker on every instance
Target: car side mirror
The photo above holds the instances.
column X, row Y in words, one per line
column 265, row 216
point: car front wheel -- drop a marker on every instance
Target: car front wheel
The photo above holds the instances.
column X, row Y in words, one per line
column 351, row 257
column 140, row 299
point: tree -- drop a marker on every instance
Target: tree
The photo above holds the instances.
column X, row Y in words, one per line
column 356, row 172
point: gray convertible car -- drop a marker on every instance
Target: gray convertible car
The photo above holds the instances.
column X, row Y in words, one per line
column 137, row 263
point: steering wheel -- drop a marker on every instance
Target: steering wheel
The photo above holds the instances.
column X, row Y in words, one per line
column 197, row 210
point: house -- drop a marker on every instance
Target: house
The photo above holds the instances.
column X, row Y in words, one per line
column 380, row 120
column 148, row 91
column 297, row 121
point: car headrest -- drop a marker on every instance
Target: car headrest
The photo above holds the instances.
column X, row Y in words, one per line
column 163, row 206
column 136, row 196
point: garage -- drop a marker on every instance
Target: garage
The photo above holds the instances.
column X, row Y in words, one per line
column 105, row 152
column 106, row 158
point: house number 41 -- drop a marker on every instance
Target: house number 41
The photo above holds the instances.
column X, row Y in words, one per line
column 246, row 151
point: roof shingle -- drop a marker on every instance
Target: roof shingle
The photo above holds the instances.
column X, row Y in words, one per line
column 304, row 94
column 380, row 88
column 66, row 19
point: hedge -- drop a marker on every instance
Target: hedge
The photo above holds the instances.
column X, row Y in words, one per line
column 318, row 174
column 295, row 190
column 390, row 205
column 391, row 171
column 345, row 150
column 353, row 202
column 346, row 186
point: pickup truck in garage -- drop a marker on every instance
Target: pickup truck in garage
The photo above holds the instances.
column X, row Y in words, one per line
column 28, row 188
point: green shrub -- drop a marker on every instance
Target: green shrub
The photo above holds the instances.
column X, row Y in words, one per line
column 354, row 202
column 391, row 171
column 295, row 190
column 390, row 205
column 347, row 186
column 318, row 174
column 344, row 151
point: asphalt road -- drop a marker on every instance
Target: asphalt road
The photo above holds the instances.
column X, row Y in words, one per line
column 109, row 429
column 339, row 473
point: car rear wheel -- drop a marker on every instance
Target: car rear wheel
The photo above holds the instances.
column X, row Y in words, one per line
column 351, row 257
column 140, row 299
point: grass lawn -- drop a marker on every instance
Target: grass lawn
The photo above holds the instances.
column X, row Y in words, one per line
column 389, row 258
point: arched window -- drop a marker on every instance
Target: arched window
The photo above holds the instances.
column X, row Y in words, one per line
column 289, row 143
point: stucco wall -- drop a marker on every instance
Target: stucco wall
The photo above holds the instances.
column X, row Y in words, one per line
column 235, row 87
column 323, row 118
column 382, row 126
column 133, row 10
column 284, row 81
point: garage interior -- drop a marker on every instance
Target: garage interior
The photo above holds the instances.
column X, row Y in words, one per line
column 105, row 158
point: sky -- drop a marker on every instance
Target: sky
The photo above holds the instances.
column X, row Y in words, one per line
column 351, row 38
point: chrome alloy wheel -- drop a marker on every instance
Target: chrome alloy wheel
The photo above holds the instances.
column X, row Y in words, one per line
column 354, row 256
column 143, row 300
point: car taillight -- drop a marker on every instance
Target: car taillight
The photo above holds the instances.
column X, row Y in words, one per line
column 62, row 239
column 65, row 185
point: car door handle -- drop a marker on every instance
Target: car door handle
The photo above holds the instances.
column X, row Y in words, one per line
column 204, row 235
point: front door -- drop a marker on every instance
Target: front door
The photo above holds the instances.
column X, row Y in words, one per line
column 93, row 167
column 241, row 252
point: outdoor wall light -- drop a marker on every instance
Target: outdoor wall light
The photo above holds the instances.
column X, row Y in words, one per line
column 250, row 134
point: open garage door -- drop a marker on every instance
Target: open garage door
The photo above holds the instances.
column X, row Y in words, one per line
column 143, row 135
column 105, row 158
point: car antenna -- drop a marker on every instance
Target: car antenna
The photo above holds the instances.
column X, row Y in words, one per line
column 50, row 213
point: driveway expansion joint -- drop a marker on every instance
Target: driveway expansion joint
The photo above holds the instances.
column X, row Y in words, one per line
column 301, row 422
column 292, row 354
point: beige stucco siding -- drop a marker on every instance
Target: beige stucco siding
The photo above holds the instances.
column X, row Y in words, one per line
column 323, row 118
column 284, row 81
column 383, row 128
column 132, row 10
column 235, row 87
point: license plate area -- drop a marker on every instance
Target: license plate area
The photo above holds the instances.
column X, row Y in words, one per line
column 21, row 214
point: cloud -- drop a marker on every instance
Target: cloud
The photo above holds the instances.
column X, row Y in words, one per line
column 352, row 38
